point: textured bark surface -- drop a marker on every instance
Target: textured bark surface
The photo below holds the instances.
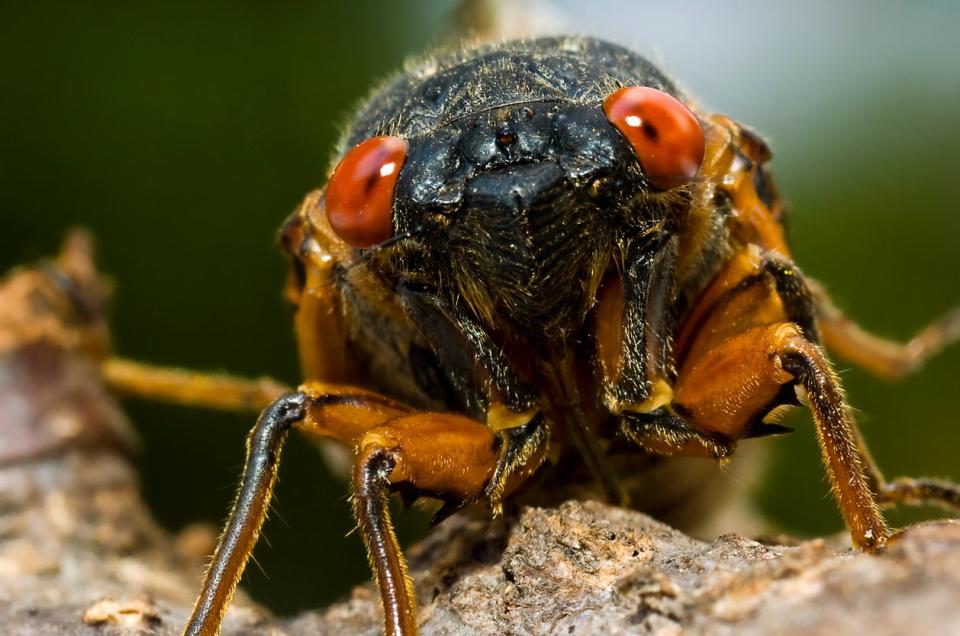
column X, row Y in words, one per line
column 81, row 555
column 585, row 568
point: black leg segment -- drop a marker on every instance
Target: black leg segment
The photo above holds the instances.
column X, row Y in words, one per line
column 249, row 511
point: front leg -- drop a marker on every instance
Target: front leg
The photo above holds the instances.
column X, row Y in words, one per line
column 727, row 389
column 446, row 456
column 485, row 373
column 249, row 510
column 724, row 392
column 746, row 344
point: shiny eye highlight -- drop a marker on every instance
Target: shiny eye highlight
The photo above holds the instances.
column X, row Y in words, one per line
column 359, row 195
column 666, row 136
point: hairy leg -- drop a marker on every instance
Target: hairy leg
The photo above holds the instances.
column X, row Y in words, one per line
column 883, row 358
column 249, row 510
column 449, row 457
column 445, row 456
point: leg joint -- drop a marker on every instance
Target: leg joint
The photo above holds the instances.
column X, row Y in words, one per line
column 276, row 420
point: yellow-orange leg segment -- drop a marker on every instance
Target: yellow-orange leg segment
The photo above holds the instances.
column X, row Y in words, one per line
column 189, row 388
column 881, row 357
column 918, row 492
column 445, row 456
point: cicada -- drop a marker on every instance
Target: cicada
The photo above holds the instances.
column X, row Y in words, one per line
column 533, row 251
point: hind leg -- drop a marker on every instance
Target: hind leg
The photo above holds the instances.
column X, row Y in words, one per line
column 883, row 358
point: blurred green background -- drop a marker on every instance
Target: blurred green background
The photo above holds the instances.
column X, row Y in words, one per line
column 183, row 133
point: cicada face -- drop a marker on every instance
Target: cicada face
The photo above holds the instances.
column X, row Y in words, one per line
column 517, row 202
column 574, row 213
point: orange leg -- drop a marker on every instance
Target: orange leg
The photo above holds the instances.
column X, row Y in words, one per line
column 749, row 338
column 189, row 388
column 439, row 455
column 442, row 455
column 726, row 390
column 838, row 438
column 883, row 358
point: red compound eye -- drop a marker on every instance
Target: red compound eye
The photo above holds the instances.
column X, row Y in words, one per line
column 359, row 196
column 664, row 133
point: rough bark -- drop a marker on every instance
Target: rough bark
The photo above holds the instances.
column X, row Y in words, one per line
column 81, row 556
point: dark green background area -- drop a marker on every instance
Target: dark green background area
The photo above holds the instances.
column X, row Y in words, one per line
column 183, row 133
